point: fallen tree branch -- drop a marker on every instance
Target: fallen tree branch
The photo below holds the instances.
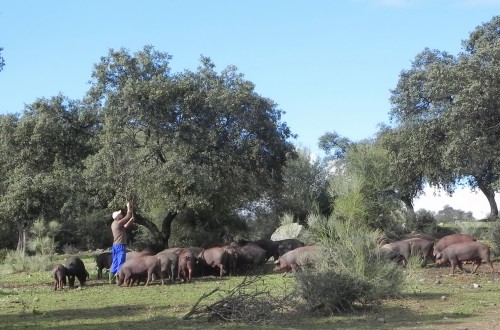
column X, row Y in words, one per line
column 194, row 309
column 243, row 303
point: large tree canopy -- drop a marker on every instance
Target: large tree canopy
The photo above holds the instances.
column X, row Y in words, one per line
column 447, row 114
column 42, row 156
column 194, row 140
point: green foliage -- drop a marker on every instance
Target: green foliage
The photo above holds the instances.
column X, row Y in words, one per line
column 320, row 228
column 405, row 173
column 477, row 229
column 194, row 140
column 41, row 245
column 19, row 262
column 305, row 183
column 88, row 230
column 350, row 203
column 41, row 158
column 413, row 264
column 423, row 221
column 334, row 145
column 3, row 255
column 494, row 237
column 2, row 61
column 261, row 221
column 445, row 110
column 350, row 270
column 196, row 228
column 332, row 290
column 42, row 239
column 8, row 234
column 304, row 191
column 143, row 239
column 362, row 189
column 449, row 215
column 286, row 219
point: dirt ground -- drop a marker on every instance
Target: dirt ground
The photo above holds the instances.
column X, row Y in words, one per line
column 485, row 318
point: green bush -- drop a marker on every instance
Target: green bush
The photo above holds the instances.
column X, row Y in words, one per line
column 476, row 229
column 40, row 263
column 422, row 221
column 3, row 254
column 350, row 269
column 144, row 240
column 334, row 291
column 43, row 237
column 18, row 262
column 494, row 237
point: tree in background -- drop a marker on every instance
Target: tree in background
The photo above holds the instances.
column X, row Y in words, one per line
column 368, row 164
column 304, row 191
column 380, row 187
column 419, row 138
column 350, row 269
column 305, row 186
column 449, row 215
column 194, row 140
column 334, row 145
column 42, row 159
column 43, row 237
column 2, row 61
column 446, row 108
column 406, row 173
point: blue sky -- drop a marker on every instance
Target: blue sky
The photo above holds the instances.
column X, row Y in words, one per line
column 330, row 65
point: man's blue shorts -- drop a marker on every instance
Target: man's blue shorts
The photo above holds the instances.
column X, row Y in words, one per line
column 119, row 253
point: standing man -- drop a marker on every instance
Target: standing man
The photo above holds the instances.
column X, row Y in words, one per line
column 118, row 228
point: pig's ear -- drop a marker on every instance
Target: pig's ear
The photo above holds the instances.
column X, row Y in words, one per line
column 438, row 256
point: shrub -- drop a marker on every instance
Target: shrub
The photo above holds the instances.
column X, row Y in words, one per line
column 19, row 262
column 3, row 254
column 351, row 270
column 39, row 263
column 414, row 262
column 331, row 290
column 476, row 229
column 422, row 221
column 16, row 261
column 494, row 237
column 69, row 249
column 144, row 240
column 43, row 237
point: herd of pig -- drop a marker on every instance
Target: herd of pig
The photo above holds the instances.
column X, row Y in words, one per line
column 236, row 258
column 185, row 263
column 454, row 249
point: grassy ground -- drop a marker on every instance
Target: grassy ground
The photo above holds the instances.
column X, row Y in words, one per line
column 432, row 299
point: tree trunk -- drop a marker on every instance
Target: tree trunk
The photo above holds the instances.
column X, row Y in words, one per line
column 166, row 226
column 22, row 237
column 490, row 195
column 153, row 229
column 166, row 229
column 408, row 203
